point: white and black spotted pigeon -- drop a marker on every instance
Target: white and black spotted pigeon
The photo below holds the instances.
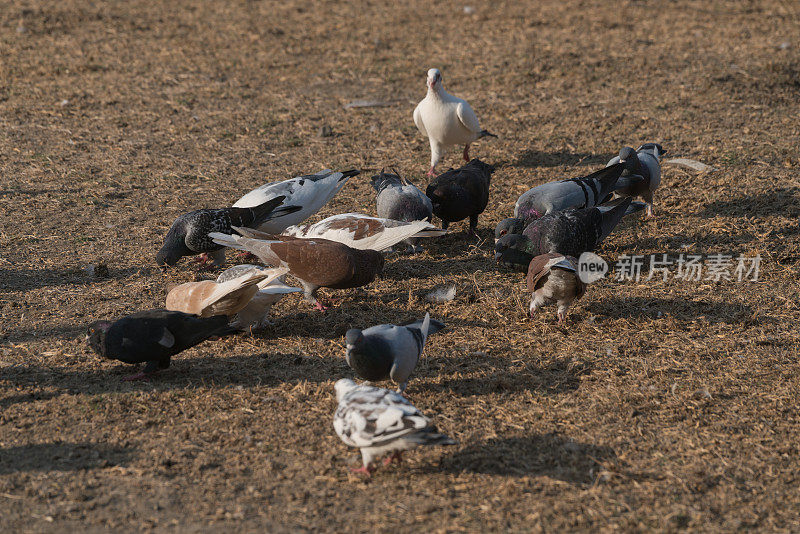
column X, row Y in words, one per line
column 309, row 193
column 153, row 336
column 580, row 192
column 388, row 351
column 446, row 120
column 643, row 174
column 188, row 235
column 569, row 232
column 379, row 421
column 365, row 232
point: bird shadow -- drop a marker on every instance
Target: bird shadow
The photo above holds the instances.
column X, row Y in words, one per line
column 61, row 331
column 549, row 378
column 782, row 201
column 7, row 402
column 640, row 307
column 46, row 457
column 29, row 279
column 424, row 268
column 547, row 455
column 537, row 158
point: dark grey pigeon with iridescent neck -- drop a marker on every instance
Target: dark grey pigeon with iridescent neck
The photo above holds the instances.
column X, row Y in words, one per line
column 389, row 351
column 400, row 200
column 188, row 235
column 571, row 232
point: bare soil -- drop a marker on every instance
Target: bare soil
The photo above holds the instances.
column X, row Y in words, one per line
column 662, row 406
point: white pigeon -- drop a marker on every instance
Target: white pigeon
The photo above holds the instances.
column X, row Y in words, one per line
column 309, row 192
column 446, row 120
column 379, row 421
column 270, row 290
column 365, row 232
column 645, row 177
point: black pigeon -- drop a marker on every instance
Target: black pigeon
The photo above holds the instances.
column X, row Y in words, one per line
column 389, row 351
column 461, row 193
column 188, row 235
column 153, row 336
column 570, row 232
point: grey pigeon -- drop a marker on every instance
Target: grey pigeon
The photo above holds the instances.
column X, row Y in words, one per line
column 188, row 235
column 153, row 336
column 580, row 192
column 570, row 232
column 400, row 200
column 379, row 421
column 460, row 193
column 643, row 174
column 389, row 351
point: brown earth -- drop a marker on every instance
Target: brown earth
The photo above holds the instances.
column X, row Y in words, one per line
column 664, row 406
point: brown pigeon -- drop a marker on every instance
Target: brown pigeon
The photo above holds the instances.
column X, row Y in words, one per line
column 314, row 262
column 207, row 298
column 554, row 277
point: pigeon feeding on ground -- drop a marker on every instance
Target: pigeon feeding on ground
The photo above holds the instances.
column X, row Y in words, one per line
column 309, row 192
column 153, row 336
column 446, row 120
column 570, row 232
column 270, row 290
column 460, row 193
column 643, row 174
column 581, row 192
column 364, row 232
column 554, row 278
column 400, row 200
column 379, row 421
column 314, row 262
column 188, row 235
column 389, row 351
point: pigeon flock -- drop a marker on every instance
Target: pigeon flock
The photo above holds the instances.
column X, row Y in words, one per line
column 552, row 225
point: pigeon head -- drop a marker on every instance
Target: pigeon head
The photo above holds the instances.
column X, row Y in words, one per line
column 512, row 225
column 343, row 387
column 628, row 156
column 434, row 80
column 384, row 179
column 96, row 336
column 654, row 148
column 512, row 250
column 353, row 337
column 174, row 247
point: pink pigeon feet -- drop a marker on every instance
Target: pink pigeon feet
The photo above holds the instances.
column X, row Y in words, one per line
column 138, row 376
column 466, row 153
column 431, row 173
column 205, row 262
column 320, row 306
column 365, row 470
column 562, row 318
column 396, row 456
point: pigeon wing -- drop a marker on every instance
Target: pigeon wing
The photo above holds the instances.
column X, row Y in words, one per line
column 468, row 117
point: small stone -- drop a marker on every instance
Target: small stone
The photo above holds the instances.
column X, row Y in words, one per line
column 325, row 131
column 469, row 10
column 99, row 270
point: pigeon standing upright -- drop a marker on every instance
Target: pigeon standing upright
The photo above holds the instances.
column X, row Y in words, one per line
column 400, row 200
column 309, row 193
column 643, row 175
column 389, row 351
column 379, row 421
column 461, row 193
column 188, row 235
column 581, row 192
column 314, row 262
column 446, row 120
column 554, row 277
column 570, row 232
column 153, row 336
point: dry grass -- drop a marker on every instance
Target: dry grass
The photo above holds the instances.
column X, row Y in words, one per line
column 664, row 405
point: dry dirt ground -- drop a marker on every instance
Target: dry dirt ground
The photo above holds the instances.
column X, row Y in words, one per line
column 663, row 406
